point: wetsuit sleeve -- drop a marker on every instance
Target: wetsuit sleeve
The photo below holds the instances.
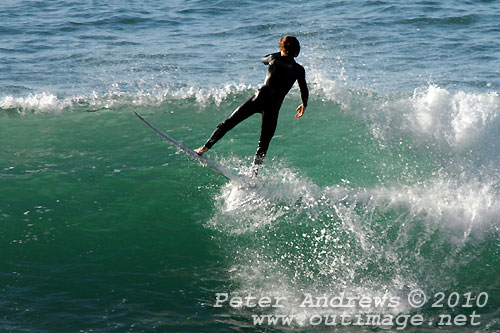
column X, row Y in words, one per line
column 267, row 59
column 304, row 91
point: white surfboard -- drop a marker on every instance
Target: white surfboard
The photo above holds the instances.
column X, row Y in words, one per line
column 217, row 167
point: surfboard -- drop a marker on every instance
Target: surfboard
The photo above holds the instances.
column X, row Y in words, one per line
column 206, row 162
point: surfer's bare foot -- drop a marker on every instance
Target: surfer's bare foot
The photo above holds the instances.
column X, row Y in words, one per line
column 200, row 151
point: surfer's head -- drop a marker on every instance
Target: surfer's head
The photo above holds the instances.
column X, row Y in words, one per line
column 290, row 46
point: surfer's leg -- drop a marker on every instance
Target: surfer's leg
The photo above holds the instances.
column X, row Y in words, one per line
column 269, row 123
column 244, row 111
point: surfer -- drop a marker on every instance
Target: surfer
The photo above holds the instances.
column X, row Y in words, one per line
column 282, row 72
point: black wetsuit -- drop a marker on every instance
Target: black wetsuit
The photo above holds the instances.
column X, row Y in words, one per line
column 282, row 73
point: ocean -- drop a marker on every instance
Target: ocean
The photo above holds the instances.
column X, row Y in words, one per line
column 377, row 211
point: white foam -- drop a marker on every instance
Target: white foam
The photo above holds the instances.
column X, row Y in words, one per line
column 40, row 103
column 45, row 102
column 288, row 237
column 461, row 208
column 204, row 96
column 246, row 209
column 459, row 119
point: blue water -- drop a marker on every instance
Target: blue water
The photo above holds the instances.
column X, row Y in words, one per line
column 388, row 184
column 69, row 48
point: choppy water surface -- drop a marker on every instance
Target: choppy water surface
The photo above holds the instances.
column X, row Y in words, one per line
column 387, row 185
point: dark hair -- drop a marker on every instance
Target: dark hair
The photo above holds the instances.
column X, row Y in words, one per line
column 290, row 45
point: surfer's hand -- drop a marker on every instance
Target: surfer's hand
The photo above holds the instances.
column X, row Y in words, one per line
column 300, row 110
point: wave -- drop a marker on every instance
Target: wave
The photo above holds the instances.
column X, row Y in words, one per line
column 289, row 237
column 454, row 119
column 46, row 102
column 429, row 117
column 428, row 103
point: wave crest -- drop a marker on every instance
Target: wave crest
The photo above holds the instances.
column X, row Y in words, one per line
column 45, row 102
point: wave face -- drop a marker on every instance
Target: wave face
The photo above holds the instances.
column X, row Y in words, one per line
column 388, row 185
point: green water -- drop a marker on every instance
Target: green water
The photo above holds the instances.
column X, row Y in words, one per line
column 106, row 227
column 388, row 185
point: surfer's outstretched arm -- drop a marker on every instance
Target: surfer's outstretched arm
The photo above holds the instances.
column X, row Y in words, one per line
column 304, row 93
column 267, row 59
